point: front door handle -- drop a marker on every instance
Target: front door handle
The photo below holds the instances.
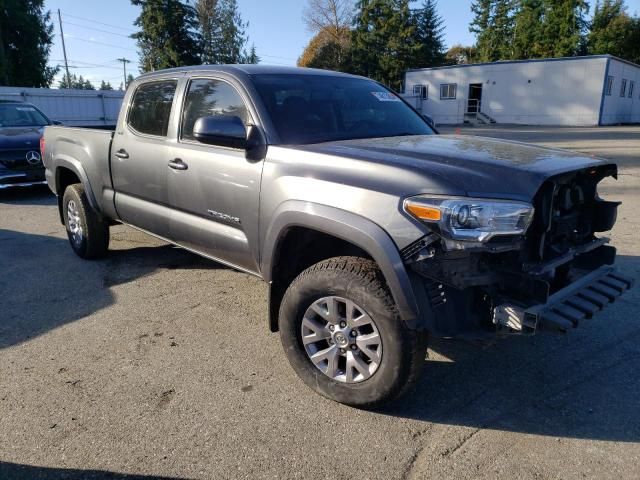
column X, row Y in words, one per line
column 122, row 153
column 178, row 164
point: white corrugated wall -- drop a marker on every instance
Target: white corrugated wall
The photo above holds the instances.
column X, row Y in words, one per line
column 552, row 92
column 69, row 106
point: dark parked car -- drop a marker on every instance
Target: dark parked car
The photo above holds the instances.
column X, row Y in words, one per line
column 21, row 127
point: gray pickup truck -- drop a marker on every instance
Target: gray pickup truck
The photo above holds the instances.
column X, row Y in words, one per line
column 372, row 230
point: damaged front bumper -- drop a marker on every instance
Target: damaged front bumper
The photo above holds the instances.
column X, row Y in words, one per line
column 568, row 307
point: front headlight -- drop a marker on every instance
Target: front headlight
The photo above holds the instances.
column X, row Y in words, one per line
column 471, row 219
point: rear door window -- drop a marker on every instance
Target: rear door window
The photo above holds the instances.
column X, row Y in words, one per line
column 151, row 107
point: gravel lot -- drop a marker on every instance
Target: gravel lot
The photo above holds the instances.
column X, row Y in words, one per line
column 154, row 363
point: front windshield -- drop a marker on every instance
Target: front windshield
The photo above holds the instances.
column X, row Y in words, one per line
column 21, row 116
column 323, row 108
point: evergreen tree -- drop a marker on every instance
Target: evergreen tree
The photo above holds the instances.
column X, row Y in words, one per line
column 129, row 80
column 614, row 32
column 26, row 35
column 564, row 28
column 429, row 36
column 528, row 33
column 222, row 32
column 167, row 36
column 79, row 83
column 232, row 32
column 482, row 27
column 493, row 24
column 503, row 24
column 251, row 57
column 105, row 86
column 383, row 41
column 209, row 29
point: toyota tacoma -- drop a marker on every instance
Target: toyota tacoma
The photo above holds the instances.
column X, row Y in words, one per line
column 373, row 231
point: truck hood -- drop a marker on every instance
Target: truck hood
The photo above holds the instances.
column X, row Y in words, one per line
column 481, row 167
column 20, row 137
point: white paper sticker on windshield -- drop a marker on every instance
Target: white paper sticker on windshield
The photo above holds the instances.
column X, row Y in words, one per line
column 385, row 96
column 26, row 109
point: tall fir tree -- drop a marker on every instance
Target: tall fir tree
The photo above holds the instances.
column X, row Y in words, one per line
column 564, row 28
column 167, row 36
column 527, row 35
column 503, row 24
column 429, row 35
column 482, row 27
column 493, row 24
column 222, row 32
column 383, row 41
column 251, row 57
column 26, row 36
column 209, row 29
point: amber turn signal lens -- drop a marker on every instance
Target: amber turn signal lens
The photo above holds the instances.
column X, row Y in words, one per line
column 423, row 212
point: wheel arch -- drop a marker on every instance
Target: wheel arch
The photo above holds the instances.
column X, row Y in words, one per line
column 69, row 171
column 348, row 230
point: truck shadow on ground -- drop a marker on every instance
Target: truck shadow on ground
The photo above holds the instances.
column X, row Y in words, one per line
column 44, row 285
column 15, row 471
column 585, row 384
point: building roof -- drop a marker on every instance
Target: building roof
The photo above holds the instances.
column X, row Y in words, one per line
column 534, row 60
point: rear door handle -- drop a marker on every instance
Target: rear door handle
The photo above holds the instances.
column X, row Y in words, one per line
column 178, row 164
column 122, row 153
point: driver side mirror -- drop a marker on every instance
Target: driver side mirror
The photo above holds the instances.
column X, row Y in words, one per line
column 222, row 130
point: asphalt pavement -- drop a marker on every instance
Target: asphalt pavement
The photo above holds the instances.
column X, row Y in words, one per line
column 154, row 363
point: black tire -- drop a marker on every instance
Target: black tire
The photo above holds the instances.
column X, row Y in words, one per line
column 94, row 239
column 361, row 281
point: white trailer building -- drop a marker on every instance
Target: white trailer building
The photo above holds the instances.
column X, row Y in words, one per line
column 70, row 106
column 577, row 91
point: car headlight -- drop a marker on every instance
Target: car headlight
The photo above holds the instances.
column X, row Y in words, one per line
column 471, row 219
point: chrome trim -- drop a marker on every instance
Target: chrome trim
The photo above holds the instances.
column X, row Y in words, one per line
column 4, row 186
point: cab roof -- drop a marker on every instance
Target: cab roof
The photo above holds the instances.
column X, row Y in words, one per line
column 248, row 70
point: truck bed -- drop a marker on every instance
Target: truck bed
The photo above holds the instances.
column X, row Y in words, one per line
column 85, row 150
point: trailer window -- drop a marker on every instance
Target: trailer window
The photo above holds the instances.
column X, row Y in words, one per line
column 151, row 107
column 623, row 87
column 632, row 85
column 448, row 91
column 609, row 86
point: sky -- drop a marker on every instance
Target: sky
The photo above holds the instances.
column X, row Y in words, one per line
column 96, row 33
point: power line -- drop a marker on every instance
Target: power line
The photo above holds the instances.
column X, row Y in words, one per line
column 101, row 43
column 94, row 65
column 94, row 29
column 101, row 23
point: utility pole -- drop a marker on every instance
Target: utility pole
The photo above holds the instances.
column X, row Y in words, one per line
column 64, row 50
column 124, row 66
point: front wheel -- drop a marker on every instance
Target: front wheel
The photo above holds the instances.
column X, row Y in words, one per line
column 88, row 232
column 343, row 337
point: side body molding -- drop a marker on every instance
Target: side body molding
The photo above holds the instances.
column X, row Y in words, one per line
column 349, row 227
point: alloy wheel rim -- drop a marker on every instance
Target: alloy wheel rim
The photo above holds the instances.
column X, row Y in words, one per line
column 341, row 339
column 75, row 224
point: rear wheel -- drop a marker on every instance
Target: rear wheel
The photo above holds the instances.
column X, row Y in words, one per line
column 343, row 337
column 88, row 232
